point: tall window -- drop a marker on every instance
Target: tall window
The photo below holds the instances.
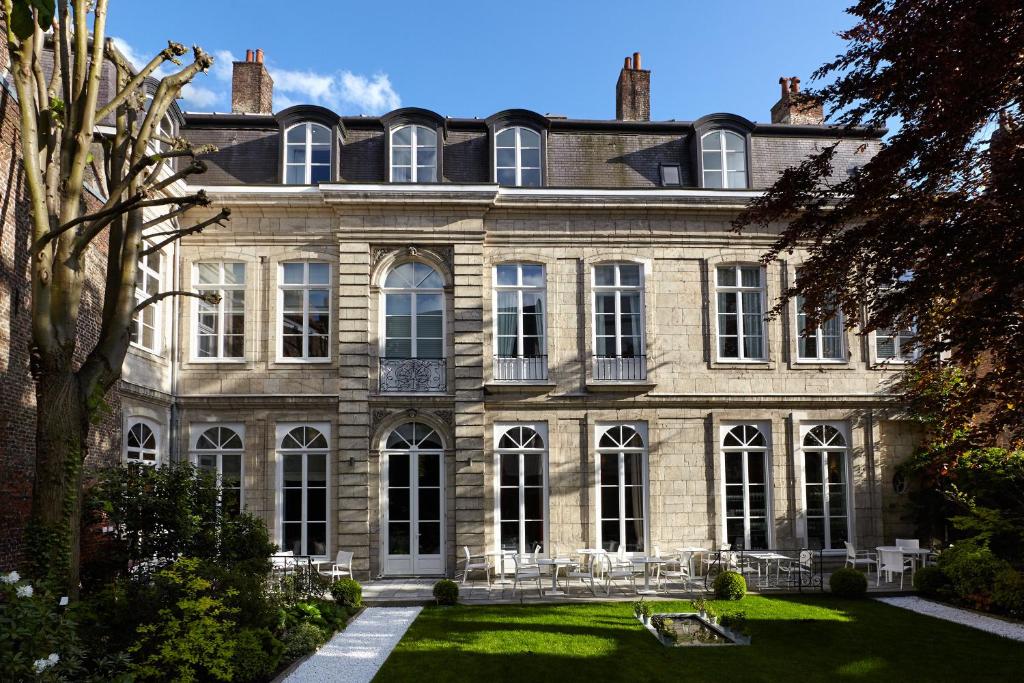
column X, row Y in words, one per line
column 826, row 488
column 724, row 158
column 220, row 328
column 140, row 442
column 305, row 310
column 823, row 342
column 522, row 488
column 307, row 154
column 519, row 335
column 146, row 323
column 413, row 312
column 740, row 292
column 744, row 452
column 517, row 157
column 896, row 345
column 622, row 489
column 618, row 322
column 413, row 155
column 302, row 462
column 219, row 450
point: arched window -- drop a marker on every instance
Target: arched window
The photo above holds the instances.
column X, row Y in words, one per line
column 517, row 157
column 826, row 487
column 724, row 159
column 141, row 443
column 521, row 469
column 745, row 482
column 413, row 155
column 413, row 467
column 412, row 354
column 622, row 489
column 219, row 450
column 303, row 474
column 307, row 154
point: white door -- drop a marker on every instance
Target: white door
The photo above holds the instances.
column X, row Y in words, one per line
column 413, row 502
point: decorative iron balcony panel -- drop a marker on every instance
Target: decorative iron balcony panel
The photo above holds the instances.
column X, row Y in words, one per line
column 413, row 375
column 620, row 368
column 520, row 368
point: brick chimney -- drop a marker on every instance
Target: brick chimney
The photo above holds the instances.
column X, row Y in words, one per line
column 796, row 108
column 252, row 88
column 633, row 92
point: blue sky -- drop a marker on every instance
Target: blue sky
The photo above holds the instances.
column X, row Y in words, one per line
column 463, row 58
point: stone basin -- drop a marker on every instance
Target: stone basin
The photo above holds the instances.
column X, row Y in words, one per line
column 690, row 629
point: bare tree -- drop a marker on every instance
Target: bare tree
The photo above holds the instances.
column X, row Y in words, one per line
column 63, row 145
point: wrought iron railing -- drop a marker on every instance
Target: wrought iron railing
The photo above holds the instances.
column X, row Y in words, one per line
column 620, row 367
column 774, row 568
column 520, row 368
column 413, row 375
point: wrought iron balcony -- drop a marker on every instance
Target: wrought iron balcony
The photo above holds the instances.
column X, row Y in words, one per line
column 413, row 375
column 620, row 368
column 520, row 368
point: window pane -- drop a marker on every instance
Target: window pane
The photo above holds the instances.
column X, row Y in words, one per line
column 528, row 138
column 506, row 176
column 402, row 136
column 506, row 138
column 531, row 178
column 533, row 276
column 292, row 273
column 505, row 157
column 320, row 174
column 712, row 141
column 430, row 538
column 726, row 277
column 320, row 135
column 295, row 175
column 629, row 275
column 604, row 275
column 530, row 158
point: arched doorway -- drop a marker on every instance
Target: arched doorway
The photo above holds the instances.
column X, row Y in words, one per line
column 412, row 473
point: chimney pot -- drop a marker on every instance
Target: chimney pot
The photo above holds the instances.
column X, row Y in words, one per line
column 259, row 55
column 248, row 55
column 784, row 82
column 794, row 108
column 636, row 61
column 628, row 65
column 794, row 84
column 633, row 91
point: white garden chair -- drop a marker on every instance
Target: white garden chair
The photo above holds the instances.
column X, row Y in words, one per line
column 890, row 562
column 342, row 566
column 912, row 543
column 864, row 558
column 613, row 572
column 524, row 571
column 674, row 570
column 583, row 571
column 470, row 564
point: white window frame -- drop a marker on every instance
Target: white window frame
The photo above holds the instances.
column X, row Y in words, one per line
column 844, row 430
column 519, row 167
column 157, row 451
column 282, row 429
column 307, row 165
column 412, row 291
column 617, row 364
column 766, row 452
column 500, row 429
column 197, row 429
column 305, row 288
column 141, row 295
column 222, row 309
column 724, row 156
column 413, row 153
column 738, row 289
column 641, row 429
column 518, row 365
column 899, row 339
column 819, row 337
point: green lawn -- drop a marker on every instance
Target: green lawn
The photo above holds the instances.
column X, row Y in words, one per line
column 794, row 639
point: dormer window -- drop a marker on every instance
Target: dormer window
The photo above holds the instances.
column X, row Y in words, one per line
column 413, row 155
column 307, row 154
column 724, row 160
column 517, row 157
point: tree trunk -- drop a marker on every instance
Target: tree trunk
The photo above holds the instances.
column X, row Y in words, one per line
column 54, row 529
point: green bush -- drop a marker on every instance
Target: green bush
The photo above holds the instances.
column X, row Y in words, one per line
column 333, row 614
column 972, row 570
column 257, row 654
column 730, row 586
column 37, row 637
column 347, row 592
column 446, row 592
column 1008, row 592
column 303, row 639
column 848, row 583
column 931, row 581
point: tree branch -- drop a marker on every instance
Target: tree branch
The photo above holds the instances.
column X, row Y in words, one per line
column 212, row 299
column 224, row 215
column 168, row 54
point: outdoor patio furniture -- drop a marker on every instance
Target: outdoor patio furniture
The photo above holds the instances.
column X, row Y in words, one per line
column 614, row 573
column 912, row 554
column 283, row 562
column 674, row 570
column 555, row 563
column 799, row 571
column 584, row 569
column 342, row 566
column 525, row 571
column 908, row 543
column 688, row 553
column 855, row 558
column 470, row 564
column 645, row 563
column 890, row 562
column 716, row 557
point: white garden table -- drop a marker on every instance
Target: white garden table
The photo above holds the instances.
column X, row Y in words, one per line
column 689, row 552
column 554, row 563
column 647, row 562
column 916, row 554
column 502, row 555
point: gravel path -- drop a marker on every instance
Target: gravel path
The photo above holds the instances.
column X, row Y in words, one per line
column 1007, row 629
column 357, row 653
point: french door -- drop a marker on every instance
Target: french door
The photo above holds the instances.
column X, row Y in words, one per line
column 413, row 529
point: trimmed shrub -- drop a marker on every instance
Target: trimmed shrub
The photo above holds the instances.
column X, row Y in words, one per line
column 848, row 583
column 1008, row 592
column 930, row 581
column 730, row 586
column 972, row 569
column 446, row 592
column 347, row 592
column 303, row 639
column 257, row 654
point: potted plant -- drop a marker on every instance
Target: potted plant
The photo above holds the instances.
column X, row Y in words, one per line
column 642, row 610
column 710, row 614
column 701, row 607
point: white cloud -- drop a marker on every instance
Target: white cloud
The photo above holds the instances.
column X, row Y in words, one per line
column 222, row 65
column 137, row 59
column 344, row 91
column 371, row 95
column 315, row 86
column 197, row 98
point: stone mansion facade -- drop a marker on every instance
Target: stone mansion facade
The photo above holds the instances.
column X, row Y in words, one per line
column 496, row 333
